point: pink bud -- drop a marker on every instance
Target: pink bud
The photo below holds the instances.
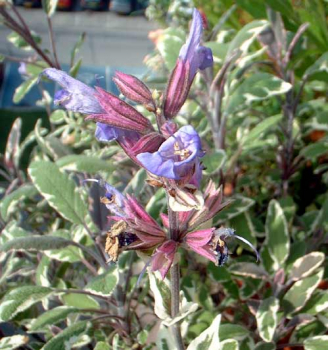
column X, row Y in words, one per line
column 148, row 143
column 119, row 114
column 177, row 89
column 135, row 90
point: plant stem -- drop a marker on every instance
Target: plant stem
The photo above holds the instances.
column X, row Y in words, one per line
column 175, row 304
column 175, row 280
column 52, row 41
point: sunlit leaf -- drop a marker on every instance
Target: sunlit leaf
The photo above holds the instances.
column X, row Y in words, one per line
column 13, row 342
column 49, row 6
column 23, row 89
column 20, row 299
column 316, row 343
column 66, row 338
column 300, row 293
column 51, row 317
column 209, row 339
column 277, row 235
column 105, row 283
column 266, row 318
column 305, row 265
column 59, row 190
column 11, row 201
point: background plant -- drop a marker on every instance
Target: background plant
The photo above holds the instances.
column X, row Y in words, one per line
column 262, row 115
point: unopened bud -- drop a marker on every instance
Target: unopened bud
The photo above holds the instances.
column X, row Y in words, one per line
column 135, row 90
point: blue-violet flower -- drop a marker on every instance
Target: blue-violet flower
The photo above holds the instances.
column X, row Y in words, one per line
column 177, row 157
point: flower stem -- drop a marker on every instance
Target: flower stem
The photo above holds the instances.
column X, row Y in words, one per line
column 175, row 305
column 175, row 280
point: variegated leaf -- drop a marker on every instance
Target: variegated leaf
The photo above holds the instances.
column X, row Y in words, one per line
column 266, row 318
column 300, row 293
column 277, row 237
column 209, row 339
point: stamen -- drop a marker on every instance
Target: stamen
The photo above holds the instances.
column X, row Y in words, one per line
column 183, row 153
column 109, row 199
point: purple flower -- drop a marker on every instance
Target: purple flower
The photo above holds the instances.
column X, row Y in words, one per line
column 177, row 157
column 106, row 133
column 75, row 96
column 198, row 57
column 192, row 57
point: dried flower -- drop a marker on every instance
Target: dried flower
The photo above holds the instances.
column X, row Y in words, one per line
column 211, row 243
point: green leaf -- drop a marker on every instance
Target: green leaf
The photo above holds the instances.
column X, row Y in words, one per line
column 20, row 43
column 101, row 345
column 305, row 265
column 50, row 144
column 49, row 6
column 41, row 273
column 156, row 204
column 69, row 253
column 164, row 339
column 162, row 296
column 13, row 342
column 214, row 161
column 169, row 46
column 79, row 301
column 104, row 284
column 234, row 331
column 10, row 202
column 137, row 183
column 247, row 269
column 59, row 191
column 257, row 87
column 13, row 149
column 84, row 163
column 244, row 228
column 208, row 339
column 300, row 293
column 77, row 47
column 246, row 36
column 266, row 317
column 20, row 299
column 36, row 243
column 57, row 117
column 315, row 150
column 316, row 343
column 238, row 205
column 12, row 231
column 317, row 303
column 320, row 65
column 66, row 338
column 23, row 89
column 260, row 129
column 75, row 69
column 229, row 344
column 265, row 346
column 51, row 317
column 277, row 237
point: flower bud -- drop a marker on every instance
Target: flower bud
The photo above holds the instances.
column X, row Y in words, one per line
column 134, row 89
column 119, row 114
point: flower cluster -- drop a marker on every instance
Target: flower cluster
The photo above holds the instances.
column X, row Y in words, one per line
column 171, row 155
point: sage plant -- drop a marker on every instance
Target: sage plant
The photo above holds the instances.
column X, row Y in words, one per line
column 172, row 157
